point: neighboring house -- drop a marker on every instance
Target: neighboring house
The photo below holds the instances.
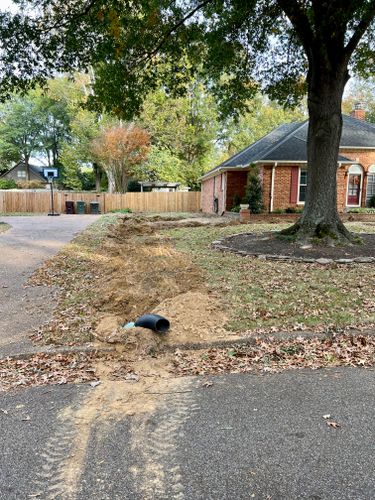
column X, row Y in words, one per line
column 282, row 160
column 159, row 186
column 19, row 174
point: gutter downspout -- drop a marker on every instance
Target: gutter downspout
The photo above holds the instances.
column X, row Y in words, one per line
column 223, row 187
column 273, row 173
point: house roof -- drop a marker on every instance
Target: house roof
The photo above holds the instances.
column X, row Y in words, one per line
column 37, row 170
column 288, row 142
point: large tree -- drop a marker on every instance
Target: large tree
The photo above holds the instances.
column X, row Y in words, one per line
column 121, row 150
column 286, row 47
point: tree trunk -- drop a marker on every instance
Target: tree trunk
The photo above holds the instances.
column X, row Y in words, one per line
column 27, row 165
column 320, row 218
column 97, row 176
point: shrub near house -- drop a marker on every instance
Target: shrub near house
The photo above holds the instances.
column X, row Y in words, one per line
column 281, row 157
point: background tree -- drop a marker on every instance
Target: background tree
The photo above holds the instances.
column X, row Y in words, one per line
column 21, row 130
column 122, row 150
column 262, row 116
column 186, row 127
column 77, row 150
column 363, row 91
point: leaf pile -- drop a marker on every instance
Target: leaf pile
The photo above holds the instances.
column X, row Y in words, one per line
column 275, row 356
column 45, row 369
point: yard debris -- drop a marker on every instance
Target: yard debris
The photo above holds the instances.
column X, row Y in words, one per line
column 43, row 369
column 333, row 424
column 276, row 355
column 208, row 383
column 95, row 383
column 326, row 417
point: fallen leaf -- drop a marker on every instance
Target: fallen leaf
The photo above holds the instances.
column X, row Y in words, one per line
column 25, row 419
column 208, row 383
column 95, row 383
column 4, row 411
column 327, row 416
column 333, row 424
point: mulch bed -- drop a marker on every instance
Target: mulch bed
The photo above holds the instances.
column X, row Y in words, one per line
column 268, row 244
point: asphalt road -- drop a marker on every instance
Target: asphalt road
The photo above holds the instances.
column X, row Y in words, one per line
column 30, row 241
column 244, row 437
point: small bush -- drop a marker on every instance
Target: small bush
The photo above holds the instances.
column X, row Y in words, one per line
column 30, row 185
column 236, row 209
column 371, row 202
column 361, row 210
column 122, row 211
column 8, row 184
column 278, row 211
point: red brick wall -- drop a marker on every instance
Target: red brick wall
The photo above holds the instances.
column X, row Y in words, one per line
column 236, row 185
column 364, row 157
column 266, row 173
column 211, row 188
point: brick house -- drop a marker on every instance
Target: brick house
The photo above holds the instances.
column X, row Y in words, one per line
column 281, row 157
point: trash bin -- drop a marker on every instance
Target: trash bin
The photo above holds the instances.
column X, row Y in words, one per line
column 81, row 207
column 94, row 207
column 69, row 207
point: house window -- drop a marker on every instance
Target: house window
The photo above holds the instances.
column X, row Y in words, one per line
column 302, row 186
column 370, row 191
column 21, row 174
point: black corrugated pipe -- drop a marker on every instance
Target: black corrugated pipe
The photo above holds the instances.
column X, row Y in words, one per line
column 153, row 322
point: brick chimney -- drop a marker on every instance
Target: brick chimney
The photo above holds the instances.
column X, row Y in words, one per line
column 359, row 110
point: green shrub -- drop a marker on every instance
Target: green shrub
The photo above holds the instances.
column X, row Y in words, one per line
column 8, row 184
column 254, row 194
column 235, row 209
column 371, row 202
column 278, row 211
column 122, row 211
column 361, row 210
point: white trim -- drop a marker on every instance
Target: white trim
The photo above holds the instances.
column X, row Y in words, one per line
column 224, row 189
column 299, row 185
column 357, row 147
column 360, row 187
column 273, row 175
column 371, row 169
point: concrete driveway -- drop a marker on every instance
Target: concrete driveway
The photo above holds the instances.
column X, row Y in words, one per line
column 30, row 241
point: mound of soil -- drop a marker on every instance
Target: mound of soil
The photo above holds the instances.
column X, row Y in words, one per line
column 270, row 244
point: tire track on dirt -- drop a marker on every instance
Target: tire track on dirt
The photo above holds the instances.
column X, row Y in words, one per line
column 155, row 439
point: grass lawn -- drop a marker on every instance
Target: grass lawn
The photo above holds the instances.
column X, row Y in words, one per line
column 264, row 296
column 4, row 227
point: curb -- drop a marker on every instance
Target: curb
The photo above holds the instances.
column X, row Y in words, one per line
column 252, row 341
column 58, row 350
column 196, row 346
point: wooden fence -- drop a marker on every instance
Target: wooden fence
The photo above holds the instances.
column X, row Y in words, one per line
column 40, row 201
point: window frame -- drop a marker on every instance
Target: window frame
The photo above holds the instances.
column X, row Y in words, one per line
column 300, row 202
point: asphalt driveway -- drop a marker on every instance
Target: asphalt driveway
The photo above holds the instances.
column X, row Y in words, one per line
column 244, row 437
column 30, row 241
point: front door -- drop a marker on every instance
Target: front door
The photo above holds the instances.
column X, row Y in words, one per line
column 354, row 189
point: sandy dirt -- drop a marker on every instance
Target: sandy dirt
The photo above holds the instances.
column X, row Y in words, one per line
column 136, row 270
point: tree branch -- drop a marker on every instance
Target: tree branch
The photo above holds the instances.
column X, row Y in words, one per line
column 360, row 31
column 300, row 22
column 149, row 55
